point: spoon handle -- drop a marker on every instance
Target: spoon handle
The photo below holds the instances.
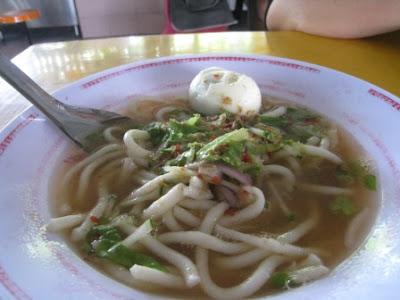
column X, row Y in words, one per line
column 51, row 107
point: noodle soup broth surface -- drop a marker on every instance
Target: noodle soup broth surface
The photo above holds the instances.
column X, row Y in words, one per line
column 288, row 186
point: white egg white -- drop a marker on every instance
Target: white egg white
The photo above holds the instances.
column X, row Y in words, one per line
column 214, row 90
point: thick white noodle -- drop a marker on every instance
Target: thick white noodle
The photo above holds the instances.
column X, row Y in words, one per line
column 79, row 233
column 250, row 212
column 277, row 197
column 112, row 166
column 242, row 260
column 197, row 204
column 95, row 156
column 171, row 223
column 287, row 174
column 269, row 244
column 137, row 210
column 212, row 216
column 314, row 141
column 158, row 277
column 141, row 232
column 308, row 274
column 233, row 187
column 324, row 189
column 186, row 217
column 128, row 167
column 325, row 144
column 108, row 134
column 137, row 153
column 251, row 257
column 181, row 262
column 165, row 203
column 294, row 164
column 321, row 152
column 180, row 174
column 65, row 209
column 203, row 240
column 65, row 222
column 143, row 176
column 307, row 149
column 298, row 232
column 249, row 285
column 130, row 200
column 125, row 223
column 333, row 137
column 352, row 236
column 284, row 152
column 277, row 112
column 311, row 260
column 111, row 205
column 246, row 288
column 257, row 131
column 87, row 172
column 119, row 273
column 164, row 110
column 198, row 189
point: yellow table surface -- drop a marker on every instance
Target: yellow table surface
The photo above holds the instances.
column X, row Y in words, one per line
column 53, row 65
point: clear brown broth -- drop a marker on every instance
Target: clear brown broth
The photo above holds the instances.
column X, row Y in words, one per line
column 328, row 236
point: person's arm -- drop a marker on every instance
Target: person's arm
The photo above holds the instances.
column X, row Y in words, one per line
column 335, row 18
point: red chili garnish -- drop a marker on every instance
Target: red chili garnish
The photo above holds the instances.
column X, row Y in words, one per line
column 269, row 154
column 228, row 125
column 222, row 146
column 200, row 176
column 312, row 121
column 212, row 138
column 94, row 219
column 177, row 148
column 215, row 180
column 246, row 158
column 229, row 212
column 216, row 75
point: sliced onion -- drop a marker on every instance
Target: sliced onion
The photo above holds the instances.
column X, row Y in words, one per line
column 226, row 195
column 236, row 174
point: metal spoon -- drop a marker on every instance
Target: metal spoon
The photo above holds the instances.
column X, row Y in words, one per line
column 84, row 126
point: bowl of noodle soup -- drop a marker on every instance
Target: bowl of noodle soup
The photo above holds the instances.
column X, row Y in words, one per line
column 298, row 200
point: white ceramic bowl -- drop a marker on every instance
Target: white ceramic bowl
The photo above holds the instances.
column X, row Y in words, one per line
column 34, row 264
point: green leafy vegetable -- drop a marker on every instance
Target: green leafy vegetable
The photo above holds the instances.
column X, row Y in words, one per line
column 185, row 157
column 103, row 221
column 157, row 133
column 232, row 136
column 370, row 181
column 345, row 177
column 300, row 115
column 105, row 242
column 297, row 124
column 354, row 171
column 281, row 280
column 290, row 217
column 273, row 121
column 342, row 205
column 228, row 153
